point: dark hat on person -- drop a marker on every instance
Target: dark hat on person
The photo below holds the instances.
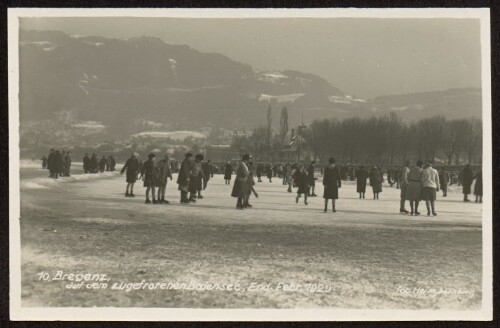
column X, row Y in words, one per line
column 188, row 155
column 331, row 160
column 245, row 157
column 199, row 156
column 151, row 155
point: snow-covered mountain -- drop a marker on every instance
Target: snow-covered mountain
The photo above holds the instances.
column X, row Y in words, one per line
column 117, row 81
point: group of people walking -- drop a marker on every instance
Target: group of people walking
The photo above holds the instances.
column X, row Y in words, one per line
column 417, row 183
column 193, row 177
column 94, row 165
column 58, row 163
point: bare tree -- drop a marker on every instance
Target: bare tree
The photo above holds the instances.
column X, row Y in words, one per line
column 472, row 142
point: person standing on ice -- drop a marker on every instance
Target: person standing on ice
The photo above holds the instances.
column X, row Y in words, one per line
column 478, row 186
column 228, row 171
column 311, row 179
column 206, row 168
column 414, row 189
column 301, row 180
column 67, row 165
column 184, row 176
column 86, row 163
column 443, row 181
column 376, row 178
column 241, row 185
column 331, row 183
column 148, row 176
column 44, row 162
column 467, row 178
column 269, row 172
column 102, row 164
column 50, row 163
column 196, row 179
column 162, row 174
column 361, row 176
column 94, row 165
column 430, row 185
column 404, row 186
column 131, row 167
column 58, row 164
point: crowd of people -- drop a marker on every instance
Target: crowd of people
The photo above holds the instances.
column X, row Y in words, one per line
column 58, row 163
column 194, row 175
column 94, row 165
column 416, row 183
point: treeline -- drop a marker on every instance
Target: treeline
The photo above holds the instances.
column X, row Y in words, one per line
column 382, row 140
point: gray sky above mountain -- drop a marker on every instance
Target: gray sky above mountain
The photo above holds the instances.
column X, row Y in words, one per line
column 361, row 56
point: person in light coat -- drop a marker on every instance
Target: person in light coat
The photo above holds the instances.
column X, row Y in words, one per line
column 241, row 185
column 430, row 185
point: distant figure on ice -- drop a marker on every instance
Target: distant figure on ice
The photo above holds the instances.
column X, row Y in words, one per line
column 414, row 189
column 62, row 167
column 331, row 183
column 108, row 164
column 184, row 176
column 228, row 171
column 260, row 168
column 102, row 164
column 57, row 164
column 195, row 180
column 86, row 163
column 162, row 174
column 206, row 168
column 269, row 172
column 361, row 176
column 430, row 185
column 301, row 180
column 94, row 165
column 50, row 162
column 44, row 163
column 288, row 177
column 467, row 182
column 376, row 180
column 311, row 179
column 241, row 187
column 131, row 167
column 478, row 186
column 148, row 175
column 113, row 163
column 404, row 187
column 443, row 182
column 67, row 164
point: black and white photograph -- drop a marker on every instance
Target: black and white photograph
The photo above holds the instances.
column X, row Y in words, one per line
column 250, row 164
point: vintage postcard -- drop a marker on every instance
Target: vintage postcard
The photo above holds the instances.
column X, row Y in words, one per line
column 250, row 164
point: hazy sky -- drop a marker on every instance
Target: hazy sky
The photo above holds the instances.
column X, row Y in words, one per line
column 361, row 56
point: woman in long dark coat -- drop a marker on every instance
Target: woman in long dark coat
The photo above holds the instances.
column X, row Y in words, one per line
column 331, row 183
column 478, row 186
column 361, row 176
column 467, row 178
column 228, row 171
column 132, row 167
column 376, row 179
